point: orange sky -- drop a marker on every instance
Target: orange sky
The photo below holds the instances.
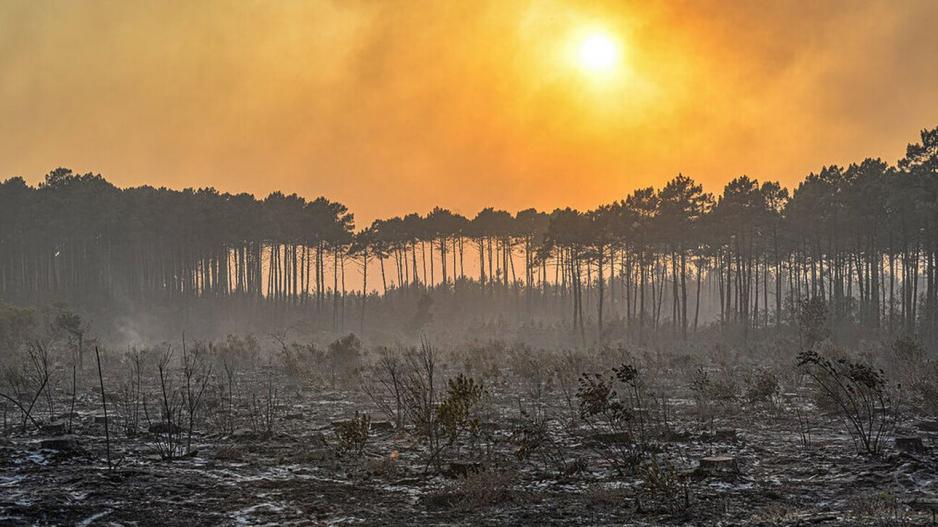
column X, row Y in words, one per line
column 393, row 107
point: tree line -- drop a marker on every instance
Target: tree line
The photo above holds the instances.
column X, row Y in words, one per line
column 861, row 238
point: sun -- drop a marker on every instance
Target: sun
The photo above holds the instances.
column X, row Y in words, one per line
column 598, row 52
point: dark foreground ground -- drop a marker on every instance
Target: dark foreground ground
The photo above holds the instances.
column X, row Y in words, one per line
column 295, row 477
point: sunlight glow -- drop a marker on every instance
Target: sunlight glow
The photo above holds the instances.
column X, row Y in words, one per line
column 598, row 52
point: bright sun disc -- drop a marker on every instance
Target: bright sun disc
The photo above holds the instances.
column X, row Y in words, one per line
column 598, row 53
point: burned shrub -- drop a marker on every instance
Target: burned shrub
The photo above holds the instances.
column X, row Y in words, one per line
column 264, row 405
column 567, row 369
column 859, row 394
column 237, row 352
column 616, row 421
column 534, row 371
column 762, row 387
column 925, row 392
column 713, row 390
column 343, row 360
column 352, row 435
column 487, row 488
column 419, row 396
column 812, row 320
column 423, row 314
column 439, row 422
column 598, row 402
column 164, row 424
column 533, row 440
column 477, row 490
column 458, row 412
column 482, row 359
column 908, row 358
column 339, row 364
column 663, row 484
column 299, row 360
column 911, row 366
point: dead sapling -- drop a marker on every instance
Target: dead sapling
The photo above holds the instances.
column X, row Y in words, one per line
column 420, row 401
column 41, row 374
column 263, row 411
column 229, row 396
column 385, row 387
column 111, row 465
column 196, row 374
column 74, row 395
column 131, row 395
column 166, row 430
column 74, row 328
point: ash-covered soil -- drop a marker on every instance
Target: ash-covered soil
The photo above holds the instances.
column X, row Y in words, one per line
column 784, row 470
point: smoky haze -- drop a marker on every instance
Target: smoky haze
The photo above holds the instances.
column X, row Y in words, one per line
column 468, row 262
column 391, row 108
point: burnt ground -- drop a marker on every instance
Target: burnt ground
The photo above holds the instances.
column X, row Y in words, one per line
column 297, row 477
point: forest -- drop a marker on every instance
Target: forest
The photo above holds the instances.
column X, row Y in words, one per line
column 862, row 238
column 764, row 356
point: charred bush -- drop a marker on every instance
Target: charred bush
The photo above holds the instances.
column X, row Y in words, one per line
column 534, row 441
column 164, row 424
column 420, row 401
column 665, row 485
column 860, row 395
column 535, row 371
column 458, row 412
column 714, row 390
column 616, row 421
column 762, row 387
column 264, row 406
column 343, row 360
column 440, row 421
column 812, row 318
column 299, row 360
column 912, row 367
column 352, row 435
column 477, row 490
